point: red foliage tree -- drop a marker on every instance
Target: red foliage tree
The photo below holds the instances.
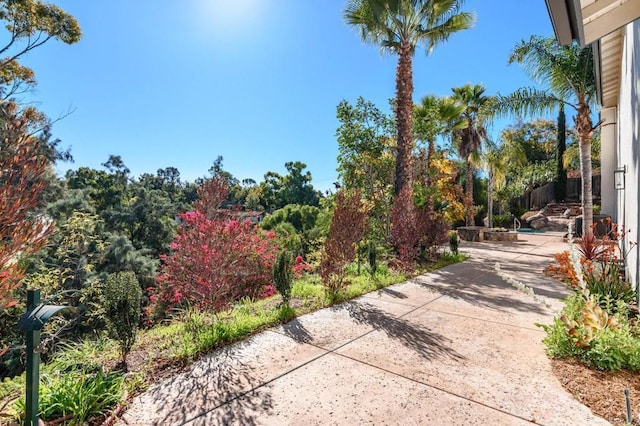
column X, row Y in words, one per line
column 215, row 262
column 211, row 195
column 417, row 231
column 22, row 167
column 348, row 227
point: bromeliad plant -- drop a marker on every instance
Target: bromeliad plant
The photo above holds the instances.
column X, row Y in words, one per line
column 595, row 266
column 594, row 325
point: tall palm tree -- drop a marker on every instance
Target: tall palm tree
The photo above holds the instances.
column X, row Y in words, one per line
column 468, row 140
column 495, row 158
column 433, row 117
column 398, row 27
column 567, row 72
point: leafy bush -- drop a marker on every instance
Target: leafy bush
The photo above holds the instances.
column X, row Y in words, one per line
column 503, row 221
column 214, row 263
column 372, row 257
column 417, row 231
column 283, row 276
column 122, row 294
column 596, row 269
column 454, row 242
column 348, row 227
column 301, row 217
column 75, row 384
column 300, row 267
column 587, row 332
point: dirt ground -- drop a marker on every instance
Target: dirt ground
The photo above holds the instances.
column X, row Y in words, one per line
column 602, row 392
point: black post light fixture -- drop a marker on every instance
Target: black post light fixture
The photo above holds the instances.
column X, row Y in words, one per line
column 618, row 177
column 31, row 322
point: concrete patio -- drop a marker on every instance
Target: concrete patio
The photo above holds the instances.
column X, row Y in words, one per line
column 456, row 346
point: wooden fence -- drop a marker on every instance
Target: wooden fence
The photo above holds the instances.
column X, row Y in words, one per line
column 540, row 197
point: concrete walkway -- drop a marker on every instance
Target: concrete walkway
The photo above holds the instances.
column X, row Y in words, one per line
column 454, row 347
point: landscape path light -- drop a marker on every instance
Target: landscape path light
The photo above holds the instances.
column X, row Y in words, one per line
column 31, row 323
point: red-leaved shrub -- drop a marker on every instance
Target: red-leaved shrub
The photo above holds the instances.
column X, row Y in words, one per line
column 417, row 231
column 215, row 259
column 348, row 227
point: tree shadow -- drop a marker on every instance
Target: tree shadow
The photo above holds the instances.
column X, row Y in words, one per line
column 428, row 344
column 296, row 330
column 478, row 286
column 217, row 390
column 393, row 293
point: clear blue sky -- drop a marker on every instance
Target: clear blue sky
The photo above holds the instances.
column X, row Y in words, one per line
column 177, row 83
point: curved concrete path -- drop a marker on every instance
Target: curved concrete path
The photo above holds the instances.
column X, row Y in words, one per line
column 454, row 347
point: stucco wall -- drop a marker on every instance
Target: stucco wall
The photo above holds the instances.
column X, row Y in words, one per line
column 628, row 154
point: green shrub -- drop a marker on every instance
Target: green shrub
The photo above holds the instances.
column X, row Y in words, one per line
column 606, row 281
column 283, row 275
column 122, row 296
column 454, row 242
column 587, row 332
column 74, row 383
column 81, row 393
column 372, row 257
column 502, row 221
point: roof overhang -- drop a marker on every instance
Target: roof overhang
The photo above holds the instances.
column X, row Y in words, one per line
column 607, row 57
column 599, row 23
column 587, row 21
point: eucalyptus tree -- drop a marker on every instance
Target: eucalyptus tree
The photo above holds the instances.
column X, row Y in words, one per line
column 30, row 24
column 468, row 139
column 568, row 74
column 398, row 27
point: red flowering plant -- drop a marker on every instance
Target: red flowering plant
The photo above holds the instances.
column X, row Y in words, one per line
column 214, row 262
column 300, row 267
column 597, row 266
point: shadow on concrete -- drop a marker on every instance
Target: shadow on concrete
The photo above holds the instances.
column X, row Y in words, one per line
column 393, row 293
column 478, row 287
column 188, row 398
column 296, row 330
column 428, row 344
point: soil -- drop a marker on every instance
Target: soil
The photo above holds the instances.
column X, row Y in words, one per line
column 601, row 391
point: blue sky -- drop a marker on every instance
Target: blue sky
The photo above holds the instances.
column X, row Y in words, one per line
column 177, row 83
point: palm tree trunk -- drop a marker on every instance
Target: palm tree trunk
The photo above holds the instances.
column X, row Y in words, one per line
column 468, row 197
column 490, row 185
column 584, row 129
column 404, row 119
column 561, row 147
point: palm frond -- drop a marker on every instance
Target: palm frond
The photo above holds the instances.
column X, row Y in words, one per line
column 566, row 70
column 391, row 23
column 525, row 102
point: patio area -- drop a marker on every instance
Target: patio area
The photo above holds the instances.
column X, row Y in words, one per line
column 456, row 346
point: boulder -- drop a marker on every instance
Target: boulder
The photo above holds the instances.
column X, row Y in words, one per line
column 529, row 214
column 538, row 222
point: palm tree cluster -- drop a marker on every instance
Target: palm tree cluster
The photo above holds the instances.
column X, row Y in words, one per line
column 400, row 26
